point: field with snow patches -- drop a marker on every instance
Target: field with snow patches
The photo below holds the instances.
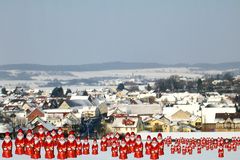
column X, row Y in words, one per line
column 40, row 78
column 206, row 155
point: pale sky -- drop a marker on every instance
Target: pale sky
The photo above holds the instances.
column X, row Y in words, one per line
column 95, row 31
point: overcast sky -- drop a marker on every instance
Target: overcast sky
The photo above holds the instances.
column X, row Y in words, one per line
column 83, row 31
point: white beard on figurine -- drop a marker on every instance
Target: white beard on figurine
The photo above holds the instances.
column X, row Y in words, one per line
column 62, row 141
column 20, row 136
column 138, row 141
column 29, row 136
column 49, row 139
column 71, row 138
column 154, row 144
column 7, row 139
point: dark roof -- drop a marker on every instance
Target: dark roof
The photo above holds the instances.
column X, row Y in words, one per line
column 227, row 115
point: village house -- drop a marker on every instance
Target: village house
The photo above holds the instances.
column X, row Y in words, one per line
column 124, row 124
column 161, row 124
column 227, row 121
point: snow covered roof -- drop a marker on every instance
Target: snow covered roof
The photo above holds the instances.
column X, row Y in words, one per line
column 125, row 122
column 141, row 109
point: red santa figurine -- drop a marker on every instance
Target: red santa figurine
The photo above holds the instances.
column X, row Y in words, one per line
column 127, row 140
column 132, row 142
column 36, row 147
column 114, row 149
column 109, row 142
column 59, row 133
column 117, row 139
column 172, row 149
column 49, row 146
column 94, row 147
column 29, row 142
column 71, row 145
column 41, row 135
column 138, row 148
column 199, row 150
column 19, row 142
column 154, row 149
column 54, row 136
column 7, row 146
column 61, row 147
column 123, row 150
column 160, row 144
column 86, row 146
column 103, row 144
column 148, row 145
column 221, row 152
column 79, row 146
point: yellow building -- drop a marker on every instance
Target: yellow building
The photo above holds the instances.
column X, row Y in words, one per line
column 157, row 125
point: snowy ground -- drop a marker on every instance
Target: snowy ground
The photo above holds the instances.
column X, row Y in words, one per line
column 206, row 155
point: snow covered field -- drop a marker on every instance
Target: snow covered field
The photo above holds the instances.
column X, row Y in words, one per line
column 206, row 155
column 41, row 77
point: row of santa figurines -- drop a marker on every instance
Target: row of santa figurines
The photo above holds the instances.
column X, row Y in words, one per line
column 72, row 147
column 31, row 145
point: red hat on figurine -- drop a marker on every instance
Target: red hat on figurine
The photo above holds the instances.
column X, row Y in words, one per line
column 35, row 135
column 132, row 134
column 71, row 133
column 139, row 137
column 61, row 136
column 41, row 126
column 59, row 129
column 48, row 134
column 149, row 137
column 20, row 131
column 123, row 140
column 127, row 134
column 154, row 139
column 29, row 131
column 7, row 134
column 86, row 139
column 159, row 135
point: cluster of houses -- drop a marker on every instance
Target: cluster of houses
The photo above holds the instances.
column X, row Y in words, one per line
column 121, row 111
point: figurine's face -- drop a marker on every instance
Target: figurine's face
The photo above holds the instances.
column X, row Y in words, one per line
column 114, row 145
column 59, row 131
column 20, row 136
column 62, row 140
column 53, row 133
column 132, row 137
column 7, row 139
column 40, row 130
column 123, row 143
column 103, row 139
column 71, row 138
column 29, row 136
column 149, row 140
column 127, row 138
column 138, row 141
column 36, row 139
column 48, row 139
column 154, row 143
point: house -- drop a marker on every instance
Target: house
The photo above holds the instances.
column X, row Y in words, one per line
column 181, row 115
column 34, row 124
column 157, row 125
column 126, row 124
column 35, row 113
column 195, row 121
column 208, row 115
column 227, row 121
